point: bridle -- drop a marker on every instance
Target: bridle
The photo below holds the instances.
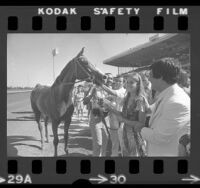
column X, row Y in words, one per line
column 90, row 77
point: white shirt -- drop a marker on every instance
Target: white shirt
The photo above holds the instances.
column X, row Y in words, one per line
column 118, row 104
column 119, row 99
column 168, row 122
column 95, row 104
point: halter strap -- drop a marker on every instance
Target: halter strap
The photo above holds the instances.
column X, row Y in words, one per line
column 76, row 75
column 86, row 71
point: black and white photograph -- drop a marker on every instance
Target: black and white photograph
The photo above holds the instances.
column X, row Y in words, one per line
column 98, row 94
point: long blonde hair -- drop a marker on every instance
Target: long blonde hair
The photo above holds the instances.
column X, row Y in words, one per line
column 140, row 91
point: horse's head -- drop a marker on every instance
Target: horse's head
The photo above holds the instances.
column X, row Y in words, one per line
column 79, row 68
column 85, row 69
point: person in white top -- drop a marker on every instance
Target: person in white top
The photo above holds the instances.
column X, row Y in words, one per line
column 170, row 117
column 79, row 101
column 97, row 127
column 184, row 81
column 133, row 112
column 116, row 98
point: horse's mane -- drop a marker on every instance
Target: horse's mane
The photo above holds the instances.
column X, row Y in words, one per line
column 66, row 70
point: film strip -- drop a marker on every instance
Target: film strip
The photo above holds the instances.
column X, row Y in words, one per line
column 17, row 165
column 85, row 23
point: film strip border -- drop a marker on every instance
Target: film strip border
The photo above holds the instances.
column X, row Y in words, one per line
column 110, row 22
column 136, row 170
column 72, row 170
column 86, row 165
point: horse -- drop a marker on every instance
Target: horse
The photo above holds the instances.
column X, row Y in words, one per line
column 55, row 102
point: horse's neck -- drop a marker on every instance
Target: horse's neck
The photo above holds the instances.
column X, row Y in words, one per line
column 67, row 91
column 67, row 75
column 62, row 90
column 63, row 85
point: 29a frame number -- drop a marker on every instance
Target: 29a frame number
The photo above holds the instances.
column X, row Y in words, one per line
column 19, row 179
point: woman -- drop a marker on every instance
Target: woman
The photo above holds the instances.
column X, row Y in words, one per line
column 148, row 93
column 133, row 113
column 147, row 87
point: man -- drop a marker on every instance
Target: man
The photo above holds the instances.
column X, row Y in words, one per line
column 97, row 127
column 184, row 145
column 184, row 81
column 170, row 118
column 109, row 81
column 115, row 98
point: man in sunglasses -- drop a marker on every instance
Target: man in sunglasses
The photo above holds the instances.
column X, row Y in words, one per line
column 115, row 98
column 109, row 81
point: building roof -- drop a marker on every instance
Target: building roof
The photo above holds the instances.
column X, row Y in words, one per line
column 170, row 45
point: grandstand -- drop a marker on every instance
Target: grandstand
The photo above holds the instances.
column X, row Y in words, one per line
column 169, row 45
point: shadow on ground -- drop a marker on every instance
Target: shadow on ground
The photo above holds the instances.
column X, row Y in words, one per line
column 76, row 154
column 23, row 112
column 79, row 141
column 13, row 141
column 29, row 116
column 24, row 116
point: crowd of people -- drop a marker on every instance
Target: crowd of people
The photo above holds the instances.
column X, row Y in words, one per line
column 143, row 113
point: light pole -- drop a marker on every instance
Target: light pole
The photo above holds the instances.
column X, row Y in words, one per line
column 54, row 53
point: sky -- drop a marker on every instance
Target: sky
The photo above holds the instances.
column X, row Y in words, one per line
column 30, row 60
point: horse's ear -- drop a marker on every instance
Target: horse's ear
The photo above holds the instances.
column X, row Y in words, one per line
column 80, row 53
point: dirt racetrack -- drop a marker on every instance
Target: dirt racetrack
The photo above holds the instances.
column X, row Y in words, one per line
column 23, row 138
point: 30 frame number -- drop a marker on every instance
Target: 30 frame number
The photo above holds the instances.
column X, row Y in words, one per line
column 121, row 179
